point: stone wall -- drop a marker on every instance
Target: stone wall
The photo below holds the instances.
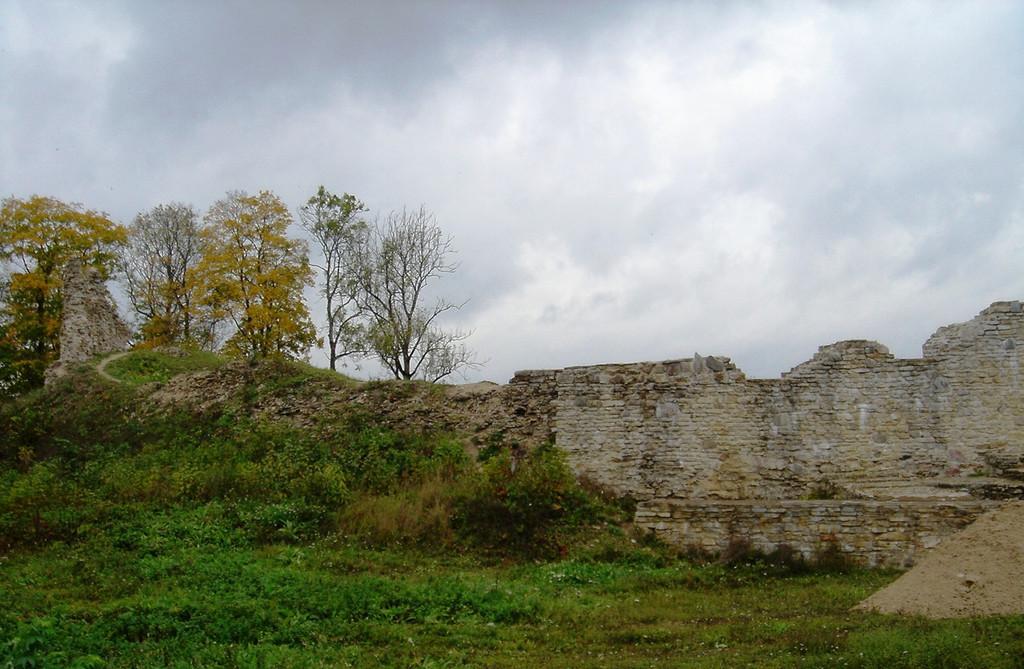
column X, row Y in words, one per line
column 529, row 399
column 663, row 429
column 874, row 533
column 90, row 325
column 854, row 422
column 981, row 415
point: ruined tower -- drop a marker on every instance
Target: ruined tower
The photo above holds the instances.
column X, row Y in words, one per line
column 90, row 324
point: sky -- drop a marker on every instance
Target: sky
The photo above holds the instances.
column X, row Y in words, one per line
column 623, row 181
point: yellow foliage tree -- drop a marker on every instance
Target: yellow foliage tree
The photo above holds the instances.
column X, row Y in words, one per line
column 252, row 275
column 38, row 236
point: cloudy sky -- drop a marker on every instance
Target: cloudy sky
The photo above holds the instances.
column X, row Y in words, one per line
column 624, row 181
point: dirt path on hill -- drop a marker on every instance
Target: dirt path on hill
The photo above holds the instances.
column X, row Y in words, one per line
column 975, row 572
column 101, row 368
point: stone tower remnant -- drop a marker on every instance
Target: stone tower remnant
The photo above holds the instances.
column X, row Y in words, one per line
column 91, row 324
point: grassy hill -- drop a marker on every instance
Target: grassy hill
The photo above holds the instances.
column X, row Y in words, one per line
column 140, row 534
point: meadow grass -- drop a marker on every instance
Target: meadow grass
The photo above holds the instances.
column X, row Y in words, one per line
column 185, row 588
column 148, row 366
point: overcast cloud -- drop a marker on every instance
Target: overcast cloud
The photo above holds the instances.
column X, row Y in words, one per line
column 624, row 181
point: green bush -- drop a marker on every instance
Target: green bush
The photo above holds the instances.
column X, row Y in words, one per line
column 524, row 503
column 380, row 461
column 40, row 505
column 103, row 452
column 281, row 522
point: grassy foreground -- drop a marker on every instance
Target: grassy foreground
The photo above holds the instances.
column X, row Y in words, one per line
column 183, row 591
column 136, row 540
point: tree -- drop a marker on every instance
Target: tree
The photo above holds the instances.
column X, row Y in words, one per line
column 158, row 266
column 38, row 236
column 252, row 274
column 335, row 226
column 397, row 261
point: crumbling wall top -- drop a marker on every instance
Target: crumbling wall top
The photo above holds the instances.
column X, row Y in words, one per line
column 1000, row 324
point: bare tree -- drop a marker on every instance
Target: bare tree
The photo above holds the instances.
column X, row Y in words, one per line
column 397, row 260
column 164, row 245
column 335, row 225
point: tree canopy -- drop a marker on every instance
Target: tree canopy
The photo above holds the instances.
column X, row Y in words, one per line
column 237, row 274
column 252, row 274
column 399, row 259
column 158, row 267
column 335, row 224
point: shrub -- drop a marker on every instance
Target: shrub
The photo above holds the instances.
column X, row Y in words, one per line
column 380, row 461
column 40, row 505
column 784, row 559
column 739, row 550
column 523, row 503
column 284, row 522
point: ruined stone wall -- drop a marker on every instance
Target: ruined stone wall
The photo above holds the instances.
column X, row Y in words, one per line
column 859, row 420
column 663, row 429
column 854, row 422
column 889, row 533
column 90, row 324
column 529, row 399
column 979, row 363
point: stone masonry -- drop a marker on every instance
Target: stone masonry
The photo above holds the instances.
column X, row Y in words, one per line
column 90, row 324
column 712, row 456
column 890, row 532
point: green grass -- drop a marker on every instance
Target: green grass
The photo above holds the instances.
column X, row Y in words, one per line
column 130, row 539
column 295, row 372
column 184, row 588
column 146, row 366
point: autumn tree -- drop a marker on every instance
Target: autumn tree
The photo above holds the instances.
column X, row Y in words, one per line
column 397, row 261
column 158, row 268
column 337, row 230
column 38, row 236
column 253, row 275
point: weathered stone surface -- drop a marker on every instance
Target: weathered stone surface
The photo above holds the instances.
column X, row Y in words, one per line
column 890, row 533
column 853, row 422
column 90, row 324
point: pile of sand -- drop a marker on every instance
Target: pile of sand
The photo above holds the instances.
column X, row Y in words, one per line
column 975, row 572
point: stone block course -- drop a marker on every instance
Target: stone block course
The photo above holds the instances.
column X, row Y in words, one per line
column 853, row 422
column 890, row 533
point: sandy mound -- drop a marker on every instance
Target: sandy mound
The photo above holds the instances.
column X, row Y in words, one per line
column 978, row 571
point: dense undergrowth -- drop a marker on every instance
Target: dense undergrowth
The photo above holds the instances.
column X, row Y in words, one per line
column 90, row 452
column 135, row 538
